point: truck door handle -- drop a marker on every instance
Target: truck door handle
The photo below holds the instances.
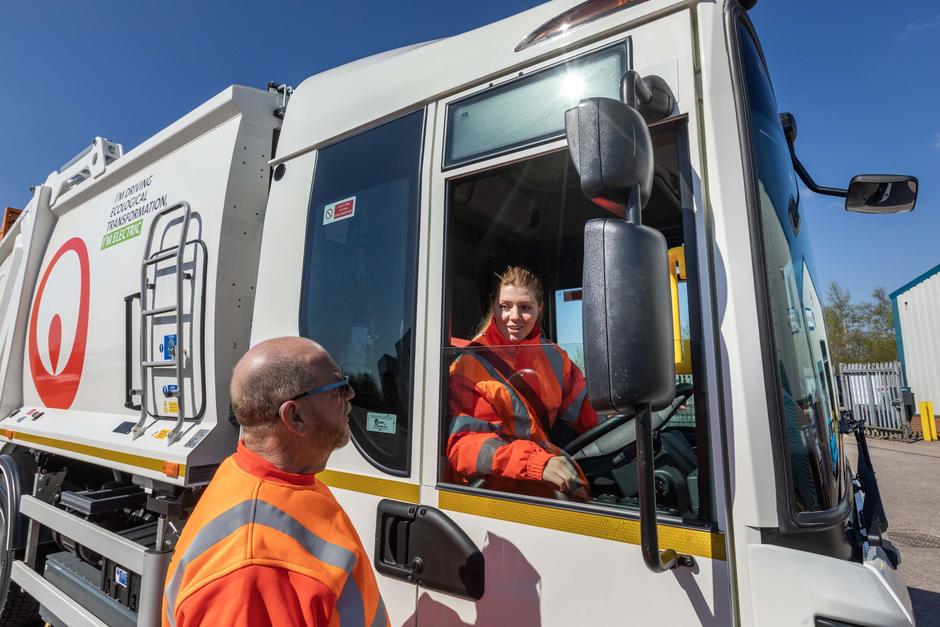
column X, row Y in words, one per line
column 422, row 545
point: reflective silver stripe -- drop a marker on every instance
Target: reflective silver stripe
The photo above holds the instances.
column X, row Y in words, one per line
column 214, row 531
column 556, row 360
column 463, row 423
column 350, row 605
column 571, row 413
column 332, row 554
column 522, row 422
column 485, row 456
column 381, row 615
column 260, row 513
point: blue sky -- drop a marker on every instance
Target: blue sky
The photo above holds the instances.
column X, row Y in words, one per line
column 861, row 80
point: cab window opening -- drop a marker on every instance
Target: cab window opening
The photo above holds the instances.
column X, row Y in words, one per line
column 359, row 290
column 531, row 214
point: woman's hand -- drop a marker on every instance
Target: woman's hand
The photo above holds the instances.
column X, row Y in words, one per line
column 560, row 472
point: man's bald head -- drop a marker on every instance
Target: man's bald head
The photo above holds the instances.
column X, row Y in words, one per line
column 274, row 371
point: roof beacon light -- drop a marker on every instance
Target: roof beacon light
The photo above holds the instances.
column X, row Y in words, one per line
column 584, row 13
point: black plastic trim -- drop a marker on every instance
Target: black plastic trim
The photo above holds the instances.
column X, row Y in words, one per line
column 129, row 351
column 424, row 546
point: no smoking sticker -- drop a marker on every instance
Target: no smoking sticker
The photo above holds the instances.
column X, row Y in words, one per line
column 339, row 210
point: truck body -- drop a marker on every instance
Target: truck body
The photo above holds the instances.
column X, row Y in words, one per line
column 369, row 213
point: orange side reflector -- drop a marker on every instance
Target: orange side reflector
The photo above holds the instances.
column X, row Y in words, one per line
column 9, row 433
column 171, row 469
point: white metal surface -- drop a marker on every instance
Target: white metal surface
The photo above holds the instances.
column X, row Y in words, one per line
column 49, row 596
column 917, row 309
column 215, row 158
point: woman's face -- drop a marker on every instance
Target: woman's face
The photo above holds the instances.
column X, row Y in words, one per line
column 516, row 311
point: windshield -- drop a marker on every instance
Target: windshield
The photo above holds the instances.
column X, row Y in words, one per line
column 801, row 353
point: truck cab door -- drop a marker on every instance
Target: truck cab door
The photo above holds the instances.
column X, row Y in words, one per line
column 505, row 193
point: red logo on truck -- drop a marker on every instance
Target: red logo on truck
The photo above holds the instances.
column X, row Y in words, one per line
column 58, row 388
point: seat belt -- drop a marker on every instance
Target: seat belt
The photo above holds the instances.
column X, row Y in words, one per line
column 516, row 380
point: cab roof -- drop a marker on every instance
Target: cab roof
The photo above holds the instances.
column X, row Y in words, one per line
column 366, row 92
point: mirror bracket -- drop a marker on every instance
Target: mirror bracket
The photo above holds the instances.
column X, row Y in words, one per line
column 649, row 95
column 789, row 130
column 667, row 559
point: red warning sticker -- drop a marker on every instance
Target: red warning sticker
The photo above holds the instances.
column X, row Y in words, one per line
column 339, row 210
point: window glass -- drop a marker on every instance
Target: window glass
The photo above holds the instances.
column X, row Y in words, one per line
column 799, row 337
column 530, row 109
column 360, row 274
column 516, row 400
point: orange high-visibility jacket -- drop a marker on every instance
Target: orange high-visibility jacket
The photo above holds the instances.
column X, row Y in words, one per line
column 267, row 547
column 494, row 432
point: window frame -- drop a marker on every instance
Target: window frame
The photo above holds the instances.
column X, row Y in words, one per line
column 522, row 75
column 698, row 321
column 823, row 531
column 420, row 210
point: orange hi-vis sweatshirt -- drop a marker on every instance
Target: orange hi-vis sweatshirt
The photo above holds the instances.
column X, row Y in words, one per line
column 494, row 431
column 268, row 547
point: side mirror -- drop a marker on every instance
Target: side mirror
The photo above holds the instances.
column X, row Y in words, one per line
column 627, row 310
column 881, row 193
column 629, row 354
column 612, row 151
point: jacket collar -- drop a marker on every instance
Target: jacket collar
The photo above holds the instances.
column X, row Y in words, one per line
column 492, row 336
column 257, row 466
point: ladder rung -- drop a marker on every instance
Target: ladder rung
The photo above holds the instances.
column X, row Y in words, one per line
column 169, row 254
column 159, row 364
column 158, row 310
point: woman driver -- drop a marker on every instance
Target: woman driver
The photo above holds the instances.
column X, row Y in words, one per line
column 512, row 392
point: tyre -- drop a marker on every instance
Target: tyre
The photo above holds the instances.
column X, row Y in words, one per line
column 17, row 609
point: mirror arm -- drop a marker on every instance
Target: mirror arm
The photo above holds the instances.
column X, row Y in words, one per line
column 808, row 180
column 656, row 561
column 788, row 122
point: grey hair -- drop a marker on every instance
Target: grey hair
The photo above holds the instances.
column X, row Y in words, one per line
column 258, row 394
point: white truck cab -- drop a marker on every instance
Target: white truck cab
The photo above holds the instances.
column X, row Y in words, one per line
column 368, row 210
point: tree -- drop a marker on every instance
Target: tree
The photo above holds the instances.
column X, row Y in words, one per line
column 859, row 332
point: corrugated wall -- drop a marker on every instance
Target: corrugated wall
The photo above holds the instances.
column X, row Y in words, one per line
column 917, row 312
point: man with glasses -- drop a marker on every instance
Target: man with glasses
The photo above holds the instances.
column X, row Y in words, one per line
column 267, row 544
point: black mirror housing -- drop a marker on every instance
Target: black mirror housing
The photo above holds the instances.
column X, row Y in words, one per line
column 612, row 151
column 881, row 193
column 627, row 317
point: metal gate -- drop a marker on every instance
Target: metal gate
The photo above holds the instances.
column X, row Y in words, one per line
column 873, row 393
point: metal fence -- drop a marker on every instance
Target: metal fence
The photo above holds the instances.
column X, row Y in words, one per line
column 873, row 393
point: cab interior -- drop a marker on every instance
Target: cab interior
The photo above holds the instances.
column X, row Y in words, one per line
column 532, row 213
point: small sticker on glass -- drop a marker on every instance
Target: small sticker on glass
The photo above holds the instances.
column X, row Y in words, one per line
column 381, row 423
column 339, row 210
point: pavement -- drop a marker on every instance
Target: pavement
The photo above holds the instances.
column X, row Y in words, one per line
column 909, row 480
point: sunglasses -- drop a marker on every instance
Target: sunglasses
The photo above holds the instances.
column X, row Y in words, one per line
column 342, row 383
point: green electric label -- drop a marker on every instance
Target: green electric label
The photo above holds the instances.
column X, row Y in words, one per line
column 115, row 237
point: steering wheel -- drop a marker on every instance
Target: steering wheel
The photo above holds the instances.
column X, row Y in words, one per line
column 608, row 437
column 618, row 432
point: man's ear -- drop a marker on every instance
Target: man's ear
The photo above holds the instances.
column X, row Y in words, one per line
column 292, row 419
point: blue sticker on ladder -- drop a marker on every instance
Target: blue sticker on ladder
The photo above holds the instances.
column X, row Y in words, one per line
column 168, row 348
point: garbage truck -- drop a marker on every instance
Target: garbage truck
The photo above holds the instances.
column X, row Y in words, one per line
column 631, row 154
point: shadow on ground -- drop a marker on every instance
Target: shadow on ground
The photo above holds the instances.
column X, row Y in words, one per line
column 926, row 607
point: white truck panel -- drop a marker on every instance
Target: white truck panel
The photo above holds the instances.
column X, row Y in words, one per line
column 73, row 369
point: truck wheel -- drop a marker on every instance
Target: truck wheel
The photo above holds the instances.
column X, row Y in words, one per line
column 16, row 607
